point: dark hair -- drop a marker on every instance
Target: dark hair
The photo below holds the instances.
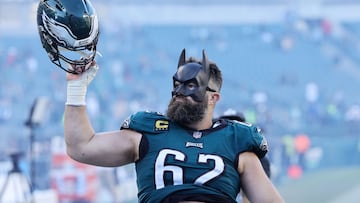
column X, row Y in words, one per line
column 216, row 75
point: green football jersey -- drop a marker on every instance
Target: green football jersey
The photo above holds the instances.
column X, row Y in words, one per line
column 175, row 160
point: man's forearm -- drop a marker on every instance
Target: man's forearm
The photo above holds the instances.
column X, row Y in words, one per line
column 77, row 128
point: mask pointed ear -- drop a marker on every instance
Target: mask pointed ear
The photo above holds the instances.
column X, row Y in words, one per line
column 205, row 62
column 182, row 58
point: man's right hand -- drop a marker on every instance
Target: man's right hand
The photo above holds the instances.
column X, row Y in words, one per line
column 77, row 85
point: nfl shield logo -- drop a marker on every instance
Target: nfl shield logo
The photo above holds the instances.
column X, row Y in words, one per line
column 197, row 134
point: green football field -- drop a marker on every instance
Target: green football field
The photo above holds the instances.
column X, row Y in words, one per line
column 327, row 186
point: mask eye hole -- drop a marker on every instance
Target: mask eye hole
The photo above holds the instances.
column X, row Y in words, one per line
column 191, row 86
column 176, row 84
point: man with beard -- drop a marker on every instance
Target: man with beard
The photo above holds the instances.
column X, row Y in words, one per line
column 182, row 156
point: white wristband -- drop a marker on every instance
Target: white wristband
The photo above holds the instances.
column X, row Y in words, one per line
column 76, row 89
column 76, row 93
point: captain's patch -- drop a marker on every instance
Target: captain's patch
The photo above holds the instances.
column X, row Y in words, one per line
column 161, row 125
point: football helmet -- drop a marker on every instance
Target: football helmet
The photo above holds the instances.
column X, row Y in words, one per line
column 69, row 32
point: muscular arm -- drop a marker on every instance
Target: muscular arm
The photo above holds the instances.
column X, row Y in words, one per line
column 257, row 186
column 83, row 143
column 103, row 149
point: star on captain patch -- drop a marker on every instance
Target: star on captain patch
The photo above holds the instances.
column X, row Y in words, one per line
column 197, row 134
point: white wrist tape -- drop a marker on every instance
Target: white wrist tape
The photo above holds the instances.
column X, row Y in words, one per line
column 76, row 94
column 76, row 89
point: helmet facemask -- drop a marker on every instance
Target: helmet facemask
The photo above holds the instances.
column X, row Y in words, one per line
column 75, row 61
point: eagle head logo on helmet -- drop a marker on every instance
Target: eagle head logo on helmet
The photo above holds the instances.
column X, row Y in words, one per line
column 69, row 32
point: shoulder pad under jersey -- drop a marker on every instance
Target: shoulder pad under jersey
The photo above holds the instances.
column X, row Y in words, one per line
column 146, row 122
column 255, row 140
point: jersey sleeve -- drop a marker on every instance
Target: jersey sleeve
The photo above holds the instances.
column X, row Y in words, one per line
column 259, row 142
column 251, row 138
column 146, row 122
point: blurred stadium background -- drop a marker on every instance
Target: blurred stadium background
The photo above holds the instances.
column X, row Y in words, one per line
column 291, row 66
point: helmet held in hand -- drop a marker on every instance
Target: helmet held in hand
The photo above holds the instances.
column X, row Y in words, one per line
column 69, row 32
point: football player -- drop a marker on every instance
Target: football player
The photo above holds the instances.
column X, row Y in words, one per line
column 179, row 156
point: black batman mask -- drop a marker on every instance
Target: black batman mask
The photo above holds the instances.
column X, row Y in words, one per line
column 192, row 78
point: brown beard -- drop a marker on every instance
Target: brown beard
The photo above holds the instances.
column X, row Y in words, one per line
column 186, row 112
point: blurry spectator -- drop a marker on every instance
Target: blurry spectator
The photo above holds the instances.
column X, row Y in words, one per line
column 311, row 92
column 11, row 56
column 326, row 26
column 287, row 43
column 302, row 145
column 352, row 118
column 107, row 185
column 313, row 107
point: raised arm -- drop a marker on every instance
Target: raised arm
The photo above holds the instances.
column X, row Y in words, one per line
column 255, row 183
column 114, row 148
